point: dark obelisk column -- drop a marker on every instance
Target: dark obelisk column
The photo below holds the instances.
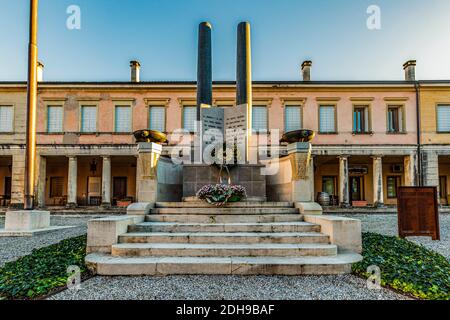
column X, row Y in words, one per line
column 204, row 67
column 244, row 75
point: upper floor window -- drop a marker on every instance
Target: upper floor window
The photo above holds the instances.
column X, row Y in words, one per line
column 190, row 118
column 395, row 122
column 55, row 119
column 157, row 115
column 292, row 118
column 443, row 118
column 259, row 118
column 327, row 119
column 122, row 119
column 6, row 118
column 88, row 119
column 361, row 119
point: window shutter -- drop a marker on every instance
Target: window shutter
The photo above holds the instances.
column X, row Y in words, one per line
column 123, row 119
column 89, row 119
column 157, row 118
column 259, row 118
column 292, row 118
column 327, row 119
column 189, row 118
column 443, row 118
column 55, row 119
column 6, row 118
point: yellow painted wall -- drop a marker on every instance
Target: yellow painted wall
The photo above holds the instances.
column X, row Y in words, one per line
column 430, row 97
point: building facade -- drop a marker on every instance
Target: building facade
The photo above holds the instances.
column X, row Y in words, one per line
column 87, row 154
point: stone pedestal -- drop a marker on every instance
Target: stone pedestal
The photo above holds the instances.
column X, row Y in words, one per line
column 247, row 175
column 303, row 178
column 27, row 223
column 147, row 184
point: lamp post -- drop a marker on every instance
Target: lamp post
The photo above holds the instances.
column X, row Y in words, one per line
column 30, row 157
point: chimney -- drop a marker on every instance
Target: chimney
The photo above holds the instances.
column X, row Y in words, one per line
column 410, row 70
column 135, row 71
column 40, row 71
column 306, row 70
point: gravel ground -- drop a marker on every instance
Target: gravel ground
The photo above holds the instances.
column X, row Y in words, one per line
column 387, row 225
column 12, row 248
column 222, row 287
column 227, row 288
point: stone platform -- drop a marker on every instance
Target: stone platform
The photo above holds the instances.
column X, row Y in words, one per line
column 247, row 175
column 244, row 238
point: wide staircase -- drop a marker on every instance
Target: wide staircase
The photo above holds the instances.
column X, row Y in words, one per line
column 245, row 238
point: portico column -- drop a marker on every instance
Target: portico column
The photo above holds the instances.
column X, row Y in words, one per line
column 72, row 182
column 41, row 181
column 411, row 170
column 378, row 193
column 343, row 182
column 106, row 182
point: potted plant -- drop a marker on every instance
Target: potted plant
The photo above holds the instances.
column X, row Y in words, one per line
column 124, row 202
column 220, row 194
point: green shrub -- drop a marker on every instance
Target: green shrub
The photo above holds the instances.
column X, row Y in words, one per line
column 43, row 271
column 406, row 266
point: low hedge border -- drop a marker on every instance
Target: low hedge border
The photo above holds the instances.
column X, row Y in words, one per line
column 406, row 267
column 44, row 271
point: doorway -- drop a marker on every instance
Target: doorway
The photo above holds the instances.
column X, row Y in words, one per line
column 356, row 188
column 120, row 188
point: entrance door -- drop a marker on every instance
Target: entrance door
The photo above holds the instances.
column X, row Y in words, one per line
column 94, row 191
column 119, row 188
column 356, row 189
column 7, row 188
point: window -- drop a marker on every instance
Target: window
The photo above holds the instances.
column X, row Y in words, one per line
column 443, row 118
column 327, row 119
column 259, row 118
column 361, row 119
column 393, row 182
column 88, row 119
column 122, row 119
column 157, row 115
column 55, row 119
column 329, row 185
column 292, row 118
column 395, row 119
column 6, row 118
column 56, row 187
column 190, row 118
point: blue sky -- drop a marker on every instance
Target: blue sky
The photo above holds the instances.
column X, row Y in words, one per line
column 162, row 35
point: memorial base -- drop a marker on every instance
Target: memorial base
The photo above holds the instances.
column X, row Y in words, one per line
column 27, row 223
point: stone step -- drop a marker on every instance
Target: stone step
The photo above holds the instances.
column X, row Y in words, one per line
column 222, row 250
column 228, row 211
column 223, row 218
column 108, row 265
column 224, row 237
column 244, row 204
column 224, row 227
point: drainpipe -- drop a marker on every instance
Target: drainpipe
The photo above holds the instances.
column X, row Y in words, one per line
column 419, row 137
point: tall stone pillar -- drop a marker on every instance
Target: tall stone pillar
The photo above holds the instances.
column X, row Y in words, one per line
column 106, row 182
column 411, row 170
column 18, row 179
column 378, row 192
column 146, row 171
column 344, row 195
column 72, row 182
column 430, row 164
column 41, row 181
column 303, row 178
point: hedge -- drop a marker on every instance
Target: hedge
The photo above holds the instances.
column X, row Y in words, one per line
column 405, row 266
column 43, row 271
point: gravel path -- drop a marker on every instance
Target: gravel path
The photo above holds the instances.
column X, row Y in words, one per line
column 387, row 225
column 12, row 248
column 227, row 287
column 222, row 287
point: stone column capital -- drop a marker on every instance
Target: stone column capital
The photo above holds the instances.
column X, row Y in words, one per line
column 343, row 157
column 377, row 157
column 72, row 157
